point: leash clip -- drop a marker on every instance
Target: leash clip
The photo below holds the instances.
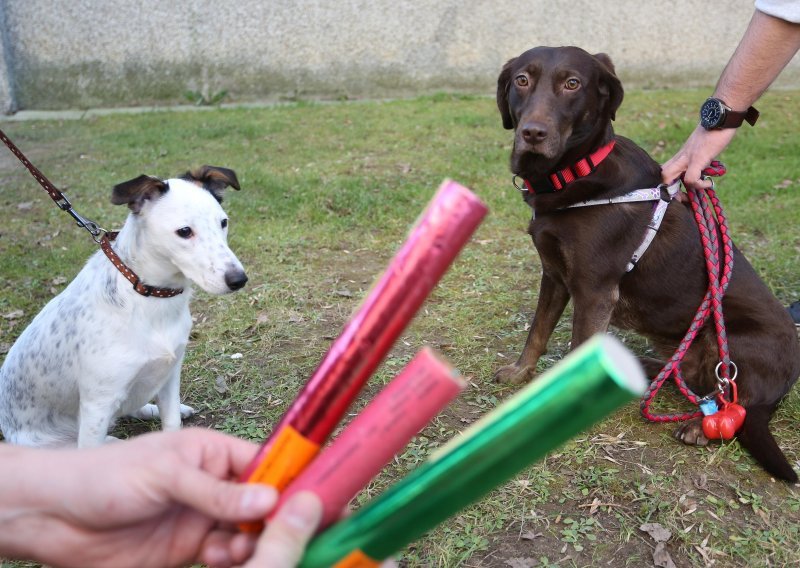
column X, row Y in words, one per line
column 721, row 379
column 705, row 177
column 522, row 189
column 93, row 228
column 722, row 382
column 63, row 203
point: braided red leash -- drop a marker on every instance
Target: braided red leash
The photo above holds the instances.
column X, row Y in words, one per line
column 712, row 230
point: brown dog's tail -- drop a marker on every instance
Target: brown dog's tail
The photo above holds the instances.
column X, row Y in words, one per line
column 758, row 440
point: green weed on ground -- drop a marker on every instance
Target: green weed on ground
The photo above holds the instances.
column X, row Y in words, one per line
column 328, row 194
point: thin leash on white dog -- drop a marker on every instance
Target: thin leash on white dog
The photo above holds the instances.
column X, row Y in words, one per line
column 94, row 229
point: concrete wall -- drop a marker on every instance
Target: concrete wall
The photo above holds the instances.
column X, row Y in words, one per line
column 86, row 53
column 7, row 102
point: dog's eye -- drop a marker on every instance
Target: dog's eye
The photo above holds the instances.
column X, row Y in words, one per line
column 184, row 232
column 224, row 223
column 521, row 81
column 572, row 84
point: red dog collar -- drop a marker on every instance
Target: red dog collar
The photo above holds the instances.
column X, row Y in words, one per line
column 582, row 168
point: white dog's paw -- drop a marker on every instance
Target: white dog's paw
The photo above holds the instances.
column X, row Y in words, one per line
column 147, row 412
column 110, row 439
column 187, row 411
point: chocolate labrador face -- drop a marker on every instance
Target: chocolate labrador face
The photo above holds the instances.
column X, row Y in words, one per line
column 556, row 100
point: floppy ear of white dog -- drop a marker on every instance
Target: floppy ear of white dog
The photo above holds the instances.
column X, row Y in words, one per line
column 133, row 193
column 214, row 179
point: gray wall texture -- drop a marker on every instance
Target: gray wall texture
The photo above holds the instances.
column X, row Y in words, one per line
column 58, row 54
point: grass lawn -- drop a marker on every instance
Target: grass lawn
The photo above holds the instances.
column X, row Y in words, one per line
column 329, row 192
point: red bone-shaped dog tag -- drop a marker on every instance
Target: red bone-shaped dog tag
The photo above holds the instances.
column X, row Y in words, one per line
column 724, row 424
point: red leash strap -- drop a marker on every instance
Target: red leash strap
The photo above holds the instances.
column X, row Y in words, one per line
column 713, row 231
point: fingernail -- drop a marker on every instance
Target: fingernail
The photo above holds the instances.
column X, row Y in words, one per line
column 258, row 498
column 303, row 511
column 217, row 556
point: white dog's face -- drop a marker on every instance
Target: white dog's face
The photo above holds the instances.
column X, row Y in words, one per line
column 189, row 227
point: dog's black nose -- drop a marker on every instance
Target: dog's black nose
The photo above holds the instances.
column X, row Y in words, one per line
column 534, row 132
column 235, row 279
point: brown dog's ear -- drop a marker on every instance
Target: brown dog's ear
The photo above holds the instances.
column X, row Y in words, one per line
column 503, row 82
column 610, row 85
column 214, row 179
column 605, row 60
column 135, row 192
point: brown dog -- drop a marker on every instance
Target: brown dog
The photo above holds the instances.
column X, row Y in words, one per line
column 560, row 103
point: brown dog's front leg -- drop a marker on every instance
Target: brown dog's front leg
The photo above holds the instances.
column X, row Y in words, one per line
column 652, row 367
column 592, row 311
column 553, row 298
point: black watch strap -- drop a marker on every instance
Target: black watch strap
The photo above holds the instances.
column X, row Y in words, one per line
column 734, row 119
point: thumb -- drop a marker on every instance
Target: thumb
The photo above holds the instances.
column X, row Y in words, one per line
column 224, row 500
column 673, row 169
column 283, row 542
column 693, row 178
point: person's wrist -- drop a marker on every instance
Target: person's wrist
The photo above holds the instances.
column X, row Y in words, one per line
column 21, row 509
column 20, row 528
column 733, row 100
column 31, row 486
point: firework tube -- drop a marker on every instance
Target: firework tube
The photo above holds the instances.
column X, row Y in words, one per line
column 439, row 234
column 403, row 408
column 591, row 382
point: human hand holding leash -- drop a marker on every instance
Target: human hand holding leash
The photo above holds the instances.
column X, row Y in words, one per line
column 695, row 155
column 164, row 499
column 767, row 46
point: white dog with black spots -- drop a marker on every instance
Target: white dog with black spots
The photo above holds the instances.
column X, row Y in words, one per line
column 100, row 349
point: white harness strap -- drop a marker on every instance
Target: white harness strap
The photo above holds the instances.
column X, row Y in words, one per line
column 651, row 194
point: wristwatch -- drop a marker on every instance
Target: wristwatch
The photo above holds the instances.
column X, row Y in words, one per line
column 716, row 114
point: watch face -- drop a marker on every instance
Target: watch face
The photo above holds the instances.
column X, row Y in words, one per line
column 711, row 113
